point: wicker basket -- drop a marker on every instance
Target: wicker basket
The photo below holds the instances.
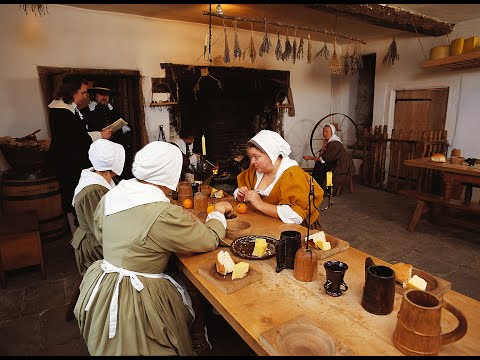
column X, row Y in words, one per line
column 27, row 156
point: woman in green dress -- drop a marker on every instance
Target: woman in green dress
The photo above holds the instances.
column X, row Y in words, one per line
column 127, row 304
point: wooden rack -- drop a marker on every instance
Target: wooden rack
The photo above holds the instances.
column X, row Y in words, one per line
column 463, row 61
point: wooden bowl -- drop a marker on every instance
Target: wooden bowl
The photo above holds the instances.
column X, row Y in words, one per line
column 238, row 228
column 457, row 160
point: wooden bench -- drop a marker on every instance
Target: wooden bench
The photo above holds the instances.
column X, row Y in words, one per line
column 20, row 244
column 424, row 198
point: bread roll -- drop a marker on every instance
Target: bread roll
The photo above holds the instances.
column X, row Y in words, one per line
column 403, row 272
column 437, row 157
column 224, row 263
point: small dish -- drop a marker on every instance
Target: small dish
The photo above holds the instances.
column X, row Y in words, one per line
column 238, row 228
column 244, row 246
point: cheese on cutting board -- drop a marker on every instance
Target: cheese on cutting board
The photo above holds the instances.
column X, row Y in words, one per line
column 439, row 52
column 470, row 44
column 260, row 247
column 456, row 47
column 416, row 282
column 320, row 240
column 240, row 270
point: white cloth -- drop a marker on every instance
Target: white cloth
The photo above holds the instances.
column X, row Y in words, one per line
column 272, row 143
column 183, row 148
column 137, row 284
column 60, row 104
column 334, row 137
column 92, row 104
column 130, row 193
column 107, row 155
column 90, row 177
column 285, row 212
column 159, row 163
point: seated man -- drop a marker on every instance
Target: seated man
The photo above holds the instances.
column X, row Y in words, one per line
column 333, row 157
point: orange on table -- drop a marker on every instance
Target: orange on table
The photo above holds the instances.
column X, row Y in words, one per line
column 210, row 208
column 187, row 204
column 242, row 208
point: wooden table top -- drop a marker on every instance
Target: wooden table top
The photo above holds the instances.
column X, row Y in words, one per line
column 426, row 163
column 279, row 297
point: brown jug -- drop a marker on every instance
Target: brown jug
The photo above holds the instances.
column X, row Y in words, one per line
column 306, row 265
column 418, row 330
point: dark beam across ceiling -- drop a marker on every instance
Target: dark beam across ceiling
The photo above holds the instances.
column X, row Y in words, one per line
column 388, row 16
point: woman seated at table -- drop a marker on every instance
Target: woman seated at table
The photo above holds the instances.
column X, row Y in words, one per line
column 107, row 159
column 332, row 157
column 127, row 304
column 274, row 184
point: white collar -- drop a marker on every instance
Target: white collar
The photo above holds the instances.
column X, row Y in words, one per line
column 131, row 193
column 60, row 104
column 92, row 105
column 284, row 165
column 90, row 177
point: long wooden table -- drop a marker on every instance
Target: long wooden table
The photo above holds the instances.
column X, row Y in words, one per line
column 279, row 297
column 469, row 175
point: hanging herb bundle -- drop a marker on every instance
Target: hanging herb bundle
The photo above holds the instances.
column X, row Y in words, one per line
column 237, row 52
column 266, row 43
column 392, row 54
column 346, row 62
column 354, row 61
column 278, row 49
column 226, row 55
column 300, row 50
column 253, row 52
column 335, row 66
column 287, row 52
column 324, row 53
column 309, row 50
column 294, row 48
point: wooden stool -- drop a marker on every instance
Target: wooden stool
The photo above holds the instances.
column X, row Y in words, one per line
column 20, row 244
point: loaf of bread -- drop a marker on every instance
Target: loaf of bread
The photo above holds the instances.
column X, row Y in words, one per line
column 403, row 272
column 224, row 262
column 437, row 157
column 260, row 247
column 240, row 270
column 416, row 282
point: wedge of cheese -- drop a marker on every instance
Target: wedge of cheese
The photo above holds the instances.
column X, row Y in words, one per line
column 320, row 240
column 456, row 47
column 470, row 44
column 416, row 282
column 323, row 245
column 260, row 247
column 213, row 191
column 240, row 270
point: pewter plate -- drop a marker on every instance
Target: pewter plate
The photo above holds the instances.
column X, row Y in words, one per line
column 243, row 247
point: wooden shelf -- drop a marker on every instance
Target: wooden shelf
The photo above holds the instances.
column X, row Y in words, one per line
column 463, row 61
column 166, row 103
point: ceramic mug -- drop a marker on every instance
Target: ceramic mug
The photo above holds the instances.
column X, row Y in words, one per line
column 335, row 272
column 379, row 290
column 419, row 330
column 286, row 248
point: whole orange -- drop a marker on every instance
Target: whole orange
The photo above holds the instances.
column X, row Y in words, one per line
column 242, row 208
column 210, row 208
column 187, row 203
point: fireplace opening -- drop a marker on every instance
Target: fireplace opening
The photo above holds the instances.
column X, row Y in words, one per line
column 228, row 105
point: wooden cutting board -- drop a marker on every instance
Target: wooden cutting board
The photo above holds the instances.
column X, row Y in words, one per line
column 225, row 283
column 435, row 285
column 338, row 246
column 301, row 336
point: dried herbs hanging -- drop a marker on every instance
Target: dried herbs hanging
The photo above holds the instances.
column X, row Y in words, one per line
column 226, row 55
column 309, row 50
column 253, row 52
column 354, row 60
column 335, row 66
column 324, row 52
column 346, row 62
column 287, row 52
column 392, row 54
column 294, row 48
column 300, row 50
column 237, row 52
column 278, row 49
column 266, row 43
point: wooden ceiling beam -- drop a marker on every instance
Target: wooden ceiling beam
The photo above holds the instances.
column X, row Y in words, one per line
column 388, row 16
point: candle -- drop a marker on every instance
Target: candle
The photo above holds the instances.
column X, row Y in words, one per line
column 204, row 150
column 329, row 178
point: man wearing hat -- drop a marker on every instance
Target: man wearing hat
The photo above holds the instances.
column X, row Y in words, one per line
column 100, row 113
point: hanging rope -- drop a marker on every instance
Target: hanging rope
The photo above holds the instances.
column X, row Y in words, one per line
column 418, row 37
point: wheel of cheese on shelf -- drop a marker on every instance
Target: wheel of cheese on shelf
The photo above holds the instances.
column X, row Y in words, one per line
column 439, row 52
column 470, row 44
column 456, row 47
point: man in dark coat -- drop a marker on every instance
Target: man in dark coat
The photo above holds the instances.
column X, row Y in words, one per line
column 100, row 113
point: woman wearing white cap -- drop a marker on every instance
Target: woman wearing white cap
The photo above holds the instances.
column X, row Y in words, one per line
column 127, row 304
column 332, row 157
column 274, row 184
column 107, row 159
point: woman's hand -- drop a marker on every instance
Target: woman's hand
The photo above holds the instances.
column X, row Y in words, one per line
column 224, row 207
column 241, row 193
column 253, row 198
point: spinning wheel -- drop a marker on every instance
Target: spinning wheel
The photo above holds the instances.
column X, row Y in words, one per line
column 346, row 130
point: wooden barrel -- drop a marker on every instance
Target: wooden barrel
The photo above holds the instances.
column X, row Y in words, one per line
column 41, row 195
